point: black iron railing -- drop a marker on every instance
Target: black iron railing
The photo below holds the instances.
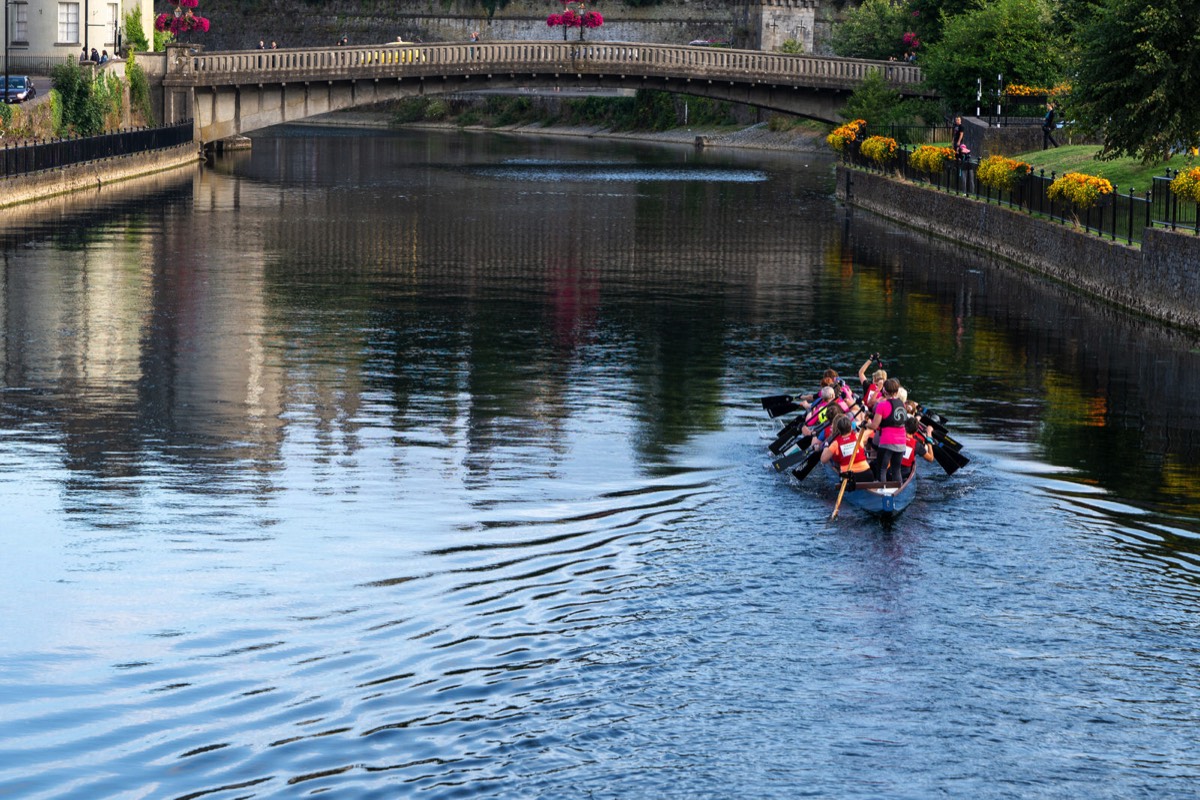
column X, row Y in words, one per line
column 32, row 157
column 1119, row 215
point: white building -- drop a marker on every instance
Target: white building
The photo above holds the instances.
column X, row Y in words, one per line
column 42, row 33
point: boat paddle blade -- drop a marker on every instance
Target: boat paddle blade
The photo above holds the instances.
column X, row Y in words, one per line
column 945, row 460
column 947, row 440
column 796, row 456
column 789, row 432
column 775, row 400
column 800, row 473
column 780, row 410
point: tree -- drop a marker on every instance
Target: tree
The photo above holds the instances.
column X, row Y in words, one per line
column 1138, row 77
column 873, row 30
column 135, row 35
column 876, row 102
column 1013, row 38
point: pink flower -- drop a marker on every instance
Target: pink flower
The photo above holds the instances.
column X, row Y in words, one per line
column 592, row 19
column 554, row 20
column 160, row 22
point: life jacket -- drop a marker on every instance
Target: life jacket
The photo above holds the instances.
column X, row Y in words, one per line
column 819, row 416
column 843, row 449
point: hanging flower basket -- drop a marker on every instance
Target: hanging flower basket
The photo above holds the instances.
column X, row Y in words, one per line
column 182, row 19
column 569, row 18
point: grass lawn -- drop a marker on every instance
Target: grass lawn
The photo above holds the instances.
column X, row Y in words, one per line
column 1124, row 172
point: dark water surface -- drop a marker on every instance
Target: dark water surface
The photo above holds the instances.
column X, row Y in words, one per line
column 429, row 465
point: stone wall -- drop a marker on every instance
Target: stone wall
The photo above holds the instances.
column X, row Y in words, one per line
column 1160, row 280
column 93, row 175
column 239, row 25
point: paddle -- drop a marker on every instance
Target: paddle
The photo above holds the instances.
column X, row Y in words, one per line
column 775, row 400
column 842, row 491
column 794, row 457
column 780, row 410
column 946, row 458
column 785, row 437
column 802, row 472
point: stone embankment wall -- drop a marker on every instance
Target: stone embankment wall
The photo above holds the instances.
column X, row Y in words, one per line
column 94, row 174
column 238, row 25
column 1160, row 280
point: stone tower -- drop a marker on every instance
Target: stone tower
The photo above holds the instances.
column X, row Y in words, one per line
column 802, row 20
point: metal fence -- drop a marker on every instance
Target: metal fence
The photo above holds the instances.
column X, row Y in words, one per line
column 1116, row 216
column 34, row 65
column 51, row 153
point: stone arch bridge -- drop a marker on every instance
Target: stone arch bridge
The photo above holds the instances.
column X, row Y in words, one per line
column 229, row 93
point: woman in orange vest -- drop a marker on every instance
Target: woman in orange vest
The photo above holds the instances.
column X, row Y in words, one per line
column 841, row 449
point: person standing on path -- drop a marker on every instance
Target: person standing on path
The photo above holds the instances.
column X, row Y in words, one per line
column 1048, row 127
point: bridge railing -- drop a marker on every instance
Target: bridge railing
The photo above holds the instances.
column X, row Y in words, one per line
column 535, row 57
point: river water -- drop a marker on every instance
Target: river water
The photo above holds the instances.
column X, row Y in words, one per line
column 430, row 465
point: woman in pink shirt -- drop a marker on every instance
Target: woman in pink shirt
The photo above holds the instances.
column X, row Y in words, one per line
column 889, row 420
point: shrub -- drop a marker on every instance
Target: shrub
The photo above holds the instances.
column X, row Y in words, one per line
column 880, row 149
column 436, row 110
column 1001, row 173
column 410, row 109
column 930, row 159
column 139, row 91
column 6, row 116
column 1186, row 185
column 1081, row 191
column 844, row 134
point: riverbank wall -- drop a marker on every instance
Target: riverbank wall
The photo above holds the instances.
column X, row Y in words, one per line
column 93, row 175
column 1160, row 280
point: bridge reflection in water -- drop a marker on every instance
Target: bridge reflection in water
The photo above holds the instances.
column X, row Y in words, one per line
column 230, row 93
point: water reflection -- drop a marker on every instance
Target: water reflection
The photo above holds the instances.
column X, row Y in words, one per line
column 351, row 464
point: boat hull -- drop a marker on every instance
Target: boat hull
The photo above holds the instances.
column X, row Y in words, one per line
column 883, row 500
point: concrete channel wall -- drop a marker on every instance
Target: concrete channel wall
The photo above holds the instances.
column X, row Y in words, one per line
column 1161, row 279
column 94, row 174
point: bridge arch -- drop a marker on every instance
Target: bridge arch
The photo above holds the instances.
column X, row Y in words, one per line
column 234, row 92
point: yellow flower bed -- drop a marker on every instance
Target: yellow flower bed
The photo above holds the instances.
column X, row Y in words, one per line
column 879, row 149
column 845, row 134
column 1186, row 185
column 930, row 159
column 1002, row 173
column 1021, row 90
column 1081, row 191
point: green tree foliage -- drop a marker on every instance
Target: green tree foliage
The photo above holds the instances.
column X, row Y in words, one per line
column 1013, row 38
column 873, row 30
column 84, row 101
column 1138, row 77
column 792, row 47
column 139, row 90
column 880, row 105
column 135, row 35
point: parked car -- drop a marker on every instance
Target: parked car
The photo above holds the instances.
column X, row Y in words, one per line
column 19, row 89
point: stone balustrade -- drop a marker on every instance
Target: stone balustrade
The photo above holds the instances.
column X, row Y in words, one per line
column 401, row 60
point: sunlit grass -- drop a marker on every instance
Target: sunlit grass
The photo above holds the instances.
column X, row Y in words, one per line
column 1123, row 172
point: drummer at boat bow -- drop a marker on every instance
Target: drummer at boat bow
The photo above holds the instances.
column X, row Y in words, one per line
column 888, row 421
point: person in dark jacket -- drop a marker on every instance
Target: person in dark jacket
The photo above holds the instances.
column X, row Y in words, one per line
column 1048, row 127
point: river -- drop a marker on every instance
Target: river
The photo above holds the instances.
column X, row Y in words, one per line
column 430, row 464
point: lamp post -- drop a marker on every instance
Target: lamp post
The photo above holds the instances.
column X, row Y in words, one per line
column 7, row 36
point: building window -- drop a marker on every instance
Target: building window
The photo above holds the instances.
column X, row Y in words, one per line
column 114, row 20
column 68, row 23
column 20, row 31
